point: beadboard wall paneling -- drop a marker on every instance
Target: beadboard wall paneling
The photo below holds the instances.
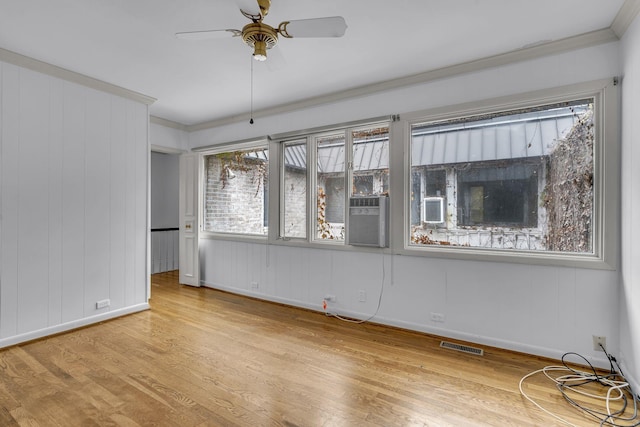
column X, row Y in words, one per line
column 630, row 272
column 74, row 196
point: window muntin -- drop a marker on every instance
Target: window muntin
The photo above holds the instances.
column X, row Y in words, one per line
column 235, row 196
column 511, row 180
column 294, row 189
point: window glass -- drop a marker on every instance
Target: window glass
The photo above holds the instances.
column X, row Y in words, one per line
column 294, row 189
column 330, row 181
column 519, row 179
column 370, row 161
column 235, row 196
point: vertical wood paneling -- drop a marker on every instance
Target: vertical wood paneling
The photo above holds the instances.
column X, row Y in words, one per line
column 73, row 202
column 142, row 154
column 241, row 272
column 10, row 218
column 630, row 181
column 33, row 174
column 97, row 190
column 117, row 203
column 172, row 251
column 164, row 251
column 54, row 152
column 129, row 170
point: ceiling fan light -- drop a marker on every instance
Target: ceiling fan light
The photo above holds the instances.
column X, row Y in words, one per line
column 260, row 51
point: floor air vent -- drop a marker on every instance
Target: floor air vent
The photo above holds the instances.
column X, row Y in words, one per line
column 462, row 348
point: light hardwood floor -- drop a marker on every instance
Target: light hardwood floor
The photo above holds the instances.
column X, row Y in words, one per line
column 201, row 357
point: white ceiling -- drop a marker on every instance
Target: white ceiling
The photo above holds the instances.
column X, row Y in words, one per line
column 131, row 43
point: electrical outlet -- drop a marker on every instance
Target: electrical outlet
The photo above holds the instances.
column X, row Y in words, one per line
column 598, row 340
column 437, row 317
column 254, row 285
column 330, row 298
column 103, row 303
column 362, row 295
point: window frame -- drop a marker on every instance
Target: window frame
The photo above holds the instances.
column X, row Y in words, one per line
column 262, row 143
column 605, row 93
column 313, row 193
column 347, row 131
column 282, row 144
column 606, row 181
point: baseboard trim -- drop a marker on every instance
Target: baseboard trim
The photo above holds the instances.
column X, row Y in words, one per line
column 549, row 353
column 74, row 324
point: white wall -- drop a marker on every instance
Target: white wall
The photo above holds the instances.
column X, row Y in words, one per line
column 164, row 211
column 164, row 190
column 168, row 139
column 73, row 194
column 630, row 283
column 551, row 71
column 542, row 310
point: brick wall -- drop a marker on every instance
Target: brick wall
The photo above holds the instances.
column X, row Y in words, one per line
column 295, row 202
column 237, row 204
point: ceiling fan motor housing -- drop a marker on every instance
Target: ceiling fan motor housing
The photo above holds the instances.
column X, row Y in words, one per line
column 259, row 32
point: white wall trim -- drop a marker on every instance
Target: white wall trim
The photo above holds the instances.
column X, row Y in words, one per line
column 72, row 76
column 599, row 362
column 635, row 384
column 625, row 17
column 75, row 324
column 261, row 296
column 527, row 53
column 166, row 150
column 167, row 123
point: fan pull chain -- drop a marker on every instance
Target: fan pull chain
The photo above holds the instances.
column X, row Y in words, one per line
column 251, row 115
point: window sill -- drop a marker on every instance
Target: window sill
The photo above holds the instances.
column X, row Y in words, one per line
column 589, row 261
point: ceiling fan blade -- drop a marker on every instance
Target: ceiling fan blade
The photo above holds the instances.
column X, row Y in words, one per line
column 249, row 8
column 333, row 26
column 207, row 34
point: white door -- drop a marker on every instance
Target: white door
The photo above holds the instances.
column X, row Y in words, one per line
column 188, row 250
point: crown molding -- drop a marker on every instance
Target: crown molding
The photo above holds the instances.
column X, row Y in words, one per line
column 71, row 76
column 165, row 150
column 167, row 123
column 581, row 41
column 625, row 16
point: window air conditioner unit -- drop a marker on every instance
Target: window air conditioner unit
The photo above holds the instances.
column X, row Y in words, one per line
column 368, row 225
column 433, row 210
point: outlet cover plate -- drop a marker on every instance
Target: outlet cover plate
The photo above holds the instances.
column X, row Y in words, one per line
column 597, row 340
column 437, row 317
column 103, row 303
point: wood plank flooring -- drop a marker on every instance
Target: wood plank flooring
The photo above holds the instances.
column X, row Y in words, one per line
column 201, row 357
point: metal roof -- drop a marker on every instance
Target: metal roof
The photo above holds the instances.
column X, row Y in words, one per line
column 529, row 134
column 524, row 135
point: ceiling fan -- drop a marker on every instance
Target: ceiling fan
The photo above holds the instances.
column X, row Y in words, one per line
column 262, row 37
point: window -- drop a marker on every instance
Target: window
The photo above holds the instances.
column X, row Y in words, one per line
column 525, row 178
column 294, row 189
column 366, row 151
column 235, row 191
column 520, row 179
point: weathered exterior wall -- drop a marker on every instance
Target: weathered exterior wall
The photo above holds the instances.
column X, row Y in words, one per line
column 569, row 191
column 233, row 205
column 295, row 201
